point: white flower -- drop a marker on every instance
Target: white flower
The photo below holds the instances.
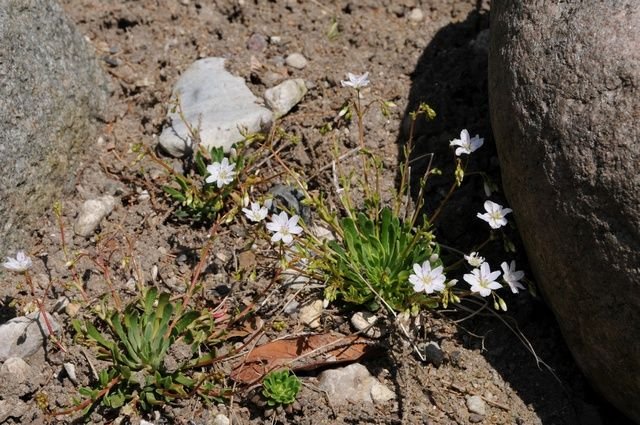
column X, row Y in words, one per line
column 222, row 173
column 427, row 280
column 474, row 259
column 512, row 276
column 467, row 144
column 284, row 227
column 495, row 214
column 356, row 81
column 20, row 264
column 483, row 280
column 256, row 213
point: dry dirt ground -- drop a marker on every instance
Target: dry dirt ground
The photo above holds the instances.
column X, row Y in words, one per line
column 144, row 46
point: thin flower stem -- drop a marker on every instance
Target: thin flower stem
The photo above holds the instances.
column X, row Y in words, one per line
column 57, row 209
column 89, row 401
column 107, row 277
column 195, row 276
column 365, row 165
column 42, row 310
column 446, row 198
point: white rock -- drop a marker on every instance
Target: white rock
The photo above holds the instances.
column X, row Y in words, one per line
column 291, row 307
column 285, row 96
column 381, row 394
column 365, row 320
column 221, row 419
column 70, row 370
column 91, row 214
column 416, row 15
column 353, row 383
column 475, row 404
column 217, row 104
column 294, row 279
column 310, row 314
column 322, row 233
column 61, row 304
column 24, row 335
column 296, row 60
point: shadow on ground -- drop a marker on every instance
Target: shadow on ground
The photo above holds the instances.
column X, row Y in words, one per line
column 451, row 76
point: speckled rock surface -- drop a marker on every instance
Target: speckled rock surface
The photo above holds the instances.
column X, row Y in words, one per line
column 565, row 107
column 52, row 89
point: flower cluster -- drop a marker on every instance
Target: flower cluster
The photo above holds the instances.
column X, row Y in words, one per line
column 281, row 225
column 482, row 280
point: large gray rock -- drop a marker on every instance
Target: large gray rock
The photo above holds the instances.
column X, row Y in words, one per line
column 564, row 85
column 51, row 90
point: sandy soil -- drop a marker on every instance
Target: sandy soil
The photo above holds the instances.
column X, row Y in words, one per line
column 144, row 46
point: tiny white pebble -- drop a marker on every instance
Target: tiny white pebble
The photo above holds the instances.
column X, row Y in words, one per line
column 416, row 15
column 296, row 60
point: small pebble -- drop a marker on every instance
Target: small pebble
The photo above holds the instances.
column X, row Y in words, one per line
column 433, row 354
column 221, row 419
column 181, row 259
column 130, row 285
column 111, row 61
column 283, row 97
column 416, row 15
column 257, row 43
column 70, row 369
column 322, row 233
column 291, row 307
column 381, row 394
column 365, row 320
column 474, row 418
column 61, row 304
column 91, row 214
column 271, row 78
column 296, row 60
column 310, row 314
column 144, row 196
column 72, row 309
column 475, row 404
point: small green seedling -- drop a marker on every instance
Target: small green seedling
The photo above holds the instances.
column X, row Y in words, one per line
column 280, row 387
column 201, row 194
column 136, row 343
